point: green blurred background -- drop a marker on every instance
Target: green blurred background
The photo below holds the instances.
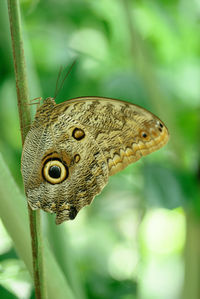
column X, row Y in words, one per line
column 140, row 237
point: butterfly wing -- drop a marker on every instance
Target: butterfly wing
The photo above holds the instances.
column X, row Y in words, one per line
column 123, row 131
column 72, row 148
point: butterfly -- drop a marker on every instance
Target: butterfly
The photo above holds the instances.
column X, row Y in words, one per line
column 72, row 148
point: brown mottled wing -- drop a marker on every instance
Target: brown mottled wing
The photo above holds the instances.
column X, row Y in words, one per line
column 123, row 131
column 93, row 138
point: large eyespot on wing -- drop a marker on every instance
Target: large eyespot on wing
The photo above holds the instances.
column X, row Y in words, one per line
column 55, row 171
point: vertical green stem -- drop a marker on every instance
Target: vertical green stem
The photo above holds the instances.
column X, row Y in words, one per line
column 25, row 120
column 19, row 66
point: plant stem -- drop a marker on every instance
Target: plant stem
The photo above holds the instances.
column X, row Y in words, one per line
column 25, row 120
column 19, row 66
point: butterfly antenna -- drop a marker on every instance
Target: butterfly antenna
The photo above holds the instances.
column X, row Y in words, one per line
column 58, row 78
column 57, row 81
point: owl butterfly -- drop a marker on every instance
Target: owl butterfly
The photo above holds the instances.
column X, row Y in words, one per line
column 72, row 148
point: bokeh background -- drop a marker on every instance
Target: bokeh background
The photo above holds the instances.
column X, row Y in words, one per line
column 140, row 237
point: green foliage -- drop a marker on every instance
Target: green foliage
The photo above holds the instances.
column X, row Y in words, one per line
column 109, row 250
